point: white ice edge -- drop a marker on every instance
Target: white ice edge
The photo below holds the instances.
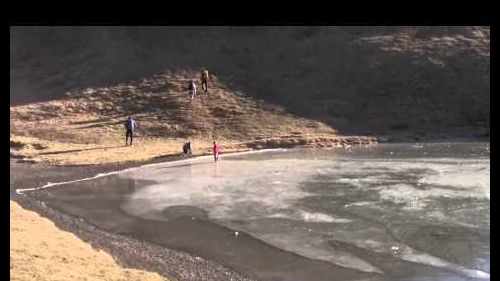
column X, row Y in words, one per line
column 166, row 163
column 424, row 258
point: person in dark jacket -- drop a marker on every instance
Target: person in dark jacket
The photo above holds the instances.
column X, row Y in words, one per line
column 186, row 149
column 204, row 80
column 130, row 126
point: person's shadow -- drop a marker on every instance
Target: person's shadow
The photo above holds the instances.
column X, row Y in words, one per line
column 77, row 150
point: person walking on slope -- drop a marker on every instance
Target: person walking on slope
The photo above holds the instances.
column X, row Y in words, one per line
column 192, row 89
column 204, row 80
column 216, row 151
column 186, row 149
column 130, row 126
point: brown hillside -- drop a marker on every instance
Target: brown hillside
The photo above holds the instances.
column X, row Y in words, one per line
column 72, row 87
column 87, row 127
column 360, row 80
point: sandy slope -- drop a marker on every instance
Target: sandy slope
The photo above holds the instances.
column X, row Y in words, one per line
column 40, row 251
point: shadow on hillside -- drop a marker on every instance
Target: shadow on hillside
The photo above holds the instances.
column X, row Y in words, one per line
column 101, row 122
column 313, row 72
column 78, row 150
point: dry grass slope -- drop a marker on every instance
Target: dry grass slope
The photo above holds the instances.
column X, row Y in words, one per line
column 87, row 127
column 359, row 80
column 40, row 251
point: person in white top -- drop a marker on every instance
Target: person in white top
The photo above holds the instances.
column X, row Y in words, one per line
column 192, row 89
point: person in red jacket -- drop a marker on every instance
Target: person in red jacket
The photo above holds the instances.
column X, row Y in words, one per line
column 216, row 151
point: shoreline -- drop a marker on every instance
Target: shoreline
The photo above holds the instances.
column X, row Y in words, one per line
column 128, row 252
column 26, row 150
column 132, row 253
column 34, row 151
column 173, row 162
column 175, row 158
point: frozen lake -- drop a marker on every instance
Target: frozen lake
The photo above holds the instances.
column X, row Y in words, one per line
column 391, row 211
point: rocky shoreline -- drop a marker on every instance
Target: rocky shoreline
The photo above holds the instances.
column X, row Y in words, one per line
column 128, row 251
